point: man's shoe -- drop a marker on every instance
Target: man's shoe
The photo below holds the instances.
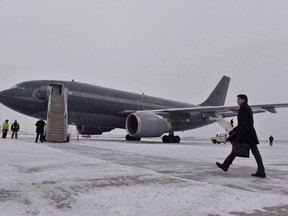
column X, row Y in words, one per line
column 259, row 174
column 221, row 166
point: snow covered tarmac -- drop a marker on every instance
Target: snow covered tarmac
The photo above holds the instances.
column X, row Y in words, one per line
column 107, row 176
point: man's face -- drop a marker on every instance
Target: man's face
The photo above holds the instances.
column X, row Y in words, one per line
column 240, row 101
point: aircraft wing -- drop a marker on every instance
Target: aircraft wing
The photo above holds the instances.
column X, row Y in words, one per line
column 225, row 111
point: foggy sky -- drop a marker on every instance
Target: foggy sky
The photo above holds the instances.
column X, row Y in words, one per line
column 173, row 49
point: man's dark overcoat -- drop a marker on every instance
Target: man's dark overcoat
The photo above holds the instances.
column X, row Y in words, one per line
column 245, row 127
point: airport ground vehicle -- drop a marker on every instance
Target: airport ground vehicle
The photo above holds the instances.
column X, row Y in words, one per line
column 219, row 138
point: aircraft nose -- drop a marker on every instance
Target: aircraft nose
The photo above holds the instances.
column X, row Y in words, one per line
column 4, row 96
column 1, row 95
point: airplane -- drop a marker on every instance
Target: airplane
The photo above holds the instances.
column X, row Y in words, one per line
column 95, row 109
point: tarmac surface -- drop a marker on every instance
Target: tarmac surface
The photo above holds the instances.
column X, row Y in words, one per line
column 109, row 176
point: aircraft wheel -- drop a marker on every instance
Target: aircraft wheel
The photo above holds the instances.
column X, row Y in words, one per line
column 177, row 139
column 165, row 139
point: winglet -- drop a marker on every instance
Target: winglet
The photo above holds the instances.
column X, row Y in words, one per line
column 270, row 109
column 218, row 95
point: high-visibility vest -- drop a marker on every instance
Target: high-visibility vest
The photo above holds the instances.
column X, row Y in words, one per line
column 5, row 126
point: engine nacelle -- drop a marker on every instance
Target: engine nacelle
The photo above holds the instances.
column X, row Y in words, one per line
column 146, row 125
column 88, row 130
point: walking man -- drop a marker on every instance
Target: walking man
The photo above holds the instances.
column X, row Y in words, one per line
column 246, row 132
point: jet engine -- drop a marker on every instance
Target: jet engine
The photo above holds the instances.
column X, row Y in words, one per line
column 88, row 130
column 146, row 125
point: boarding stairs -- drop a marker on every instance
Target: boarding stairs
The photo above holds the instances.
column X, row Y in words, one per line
column 228, row 127
column 56, row 129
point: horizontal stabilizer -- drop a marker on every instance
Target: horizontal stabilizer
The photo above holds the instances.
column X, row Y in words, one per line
column 270, row 109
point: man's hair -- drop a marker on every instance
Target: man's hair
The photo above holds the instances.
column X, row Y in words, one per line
column 243, row 97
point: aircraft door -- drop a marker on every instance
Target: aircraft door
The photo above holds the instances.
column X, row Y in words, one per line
column 41, row 92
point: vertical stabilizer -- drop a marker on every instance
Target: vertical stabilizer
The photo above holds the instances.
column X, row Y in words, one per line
column 218, row 95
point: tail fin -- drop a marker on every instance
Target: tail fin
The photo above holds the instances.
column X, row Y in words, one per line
column 218, row 95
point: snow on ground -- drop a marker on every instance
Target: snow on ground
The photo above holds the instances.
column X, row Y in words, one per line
column 109, row 176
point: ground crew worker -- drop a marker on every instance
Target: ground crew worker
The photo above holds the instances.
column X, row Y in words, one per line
column 5, row 128
column 271, row 139
column 15, row 127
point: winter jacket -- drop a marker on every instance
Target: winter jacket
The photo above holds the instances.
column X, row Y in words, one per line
column 5, row 126
column 15, row 126
column 245, row 127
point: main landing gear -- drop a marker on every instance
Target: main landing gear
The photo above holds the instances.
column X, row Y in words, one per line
column 171, row 139
column 165, row 139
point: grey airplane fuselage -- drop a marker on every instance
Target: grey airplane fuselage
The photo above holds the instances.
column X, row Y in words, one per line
column 92, row 105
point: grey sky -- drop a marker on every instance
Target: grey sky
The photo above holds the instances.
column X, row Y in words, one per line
column 173, row 49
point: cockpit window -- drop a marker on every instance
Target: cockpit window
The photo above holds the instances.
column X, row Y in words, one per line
column 23, row 86
column 19, row 85
column 16, row 86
